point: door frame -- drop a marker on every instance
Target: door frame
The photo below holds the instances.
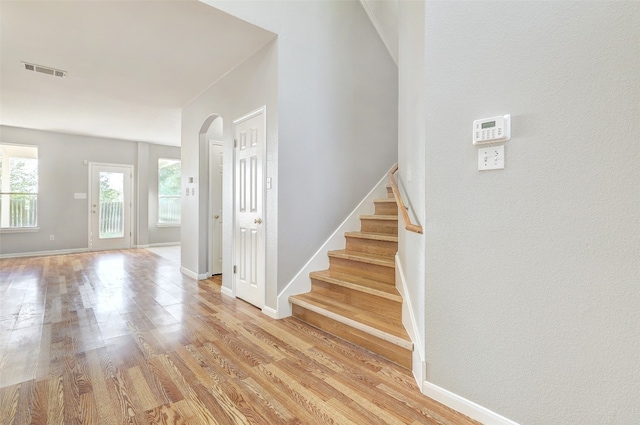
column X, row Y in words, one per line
column 90, row 195
column 210, row 260
column 263, row 247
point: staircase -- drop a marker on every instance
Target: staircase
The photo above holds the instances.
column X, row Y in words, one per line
column 356, row 298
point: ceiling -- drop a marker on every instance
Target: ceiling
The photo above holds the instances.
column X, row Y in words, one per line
column 131, row 65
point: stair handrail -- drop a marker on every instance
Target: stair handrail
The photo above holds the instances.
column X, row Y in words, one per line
column 408, row 225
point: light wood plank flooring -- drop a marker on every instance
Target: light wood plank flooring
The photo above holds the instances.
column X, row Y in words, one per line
column 122, row 337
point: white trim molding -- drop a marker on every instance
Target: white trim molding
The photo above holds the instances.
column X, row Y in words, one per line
column 19, row 229
column 418, row 365
column 393, row 52
column 301, row 282
column 193, row 275
column 44, row 253
column 153, row 245
column 227, row 291
column 464, row 406
column 273, row 313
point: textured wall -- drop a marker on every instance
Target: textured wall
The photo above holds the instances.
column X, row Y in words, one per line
column 533, row 272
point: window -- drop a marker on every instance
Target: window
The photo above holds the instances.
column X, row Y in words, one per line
column 169, row 188
column 18, row 186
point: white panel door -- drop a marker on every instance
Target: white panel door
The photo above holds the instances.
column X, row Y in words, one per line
column 215, row 193
column 249, row 277
column 110, row 207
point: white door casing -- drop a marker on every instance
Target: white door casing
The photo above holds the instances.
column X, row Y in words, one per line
column 249, row 240
column 215, row 209
column 110, row 206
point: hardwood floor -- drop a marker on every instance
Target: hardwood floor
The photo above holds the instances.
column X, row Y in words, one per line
column 122, row 337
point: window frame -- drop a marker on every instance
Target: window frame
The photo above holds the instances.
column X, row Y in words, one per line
column 159, row 196
column 9, row 146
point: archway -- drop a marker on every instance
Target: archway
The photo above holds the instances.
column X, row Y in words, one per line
column 211, row 143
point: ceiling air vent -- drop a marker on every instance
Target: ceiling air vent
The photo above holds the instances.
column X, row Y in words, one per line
column 44, row 70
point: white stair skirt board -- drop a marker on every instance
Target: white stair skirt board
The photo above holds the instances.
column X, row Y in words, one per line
column 464, row 406
column 44, row 253
column 411, row 325
column 301, row 282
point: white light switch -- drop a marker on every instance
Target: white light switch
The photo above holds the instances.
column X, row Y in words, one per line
column 491, row 158
column 79, row 196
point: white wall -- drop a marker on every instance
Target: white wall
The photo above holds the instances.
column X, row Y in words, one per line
column 337, row 131
column 533, row 272
column 141, row 191
column 249, row 86
column 411, row 151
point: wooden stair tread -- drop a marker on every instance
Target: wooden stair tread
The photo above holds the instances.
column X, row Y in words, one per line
column 379, row 217
column 358, row 283
column 364, row 257
column 385, row 200
column 363, row 320
column 372, row 236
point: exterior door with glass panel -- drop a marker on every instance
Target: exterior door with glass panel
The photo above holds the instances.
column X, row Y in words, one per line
column 110, row 206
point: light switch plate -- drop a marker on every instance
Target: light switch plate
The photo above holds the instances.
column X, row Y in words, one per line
column 491, row 158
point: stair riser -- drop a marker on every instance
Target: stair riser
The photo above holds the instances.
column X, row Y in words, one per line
column 390, row 351
column 372, row 246
column 358, row 268
column 369, row 302
column 379, row 226
column 386, row 208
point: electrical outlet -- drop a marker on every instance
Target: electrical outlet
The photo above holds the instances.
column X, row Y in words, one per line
column 491, row 158
column 51, row 237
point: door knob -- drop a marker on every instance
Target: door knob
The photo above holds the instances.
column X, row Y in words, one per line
column 216, row 216
column 258, row 221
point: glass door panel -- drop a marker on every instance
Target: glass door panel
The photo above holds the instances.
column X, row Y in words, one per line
column 111, row 205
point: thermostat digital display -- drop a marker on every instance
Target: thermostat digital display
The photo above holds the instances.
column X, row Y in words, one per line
column 492, row 130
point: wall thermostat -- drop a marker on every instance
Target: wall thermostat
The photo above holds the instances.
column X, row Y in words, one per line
column 492, row 130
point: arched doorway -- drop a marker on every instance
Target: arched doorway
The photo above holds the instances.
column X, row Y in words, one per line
column 211, row 144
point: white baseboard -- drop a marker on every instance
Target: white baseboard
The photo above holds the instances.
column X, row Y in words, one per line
column 464, row 406
column 157, row 245
column 411, row 325
column 320, row 261
column 271, row 312
column 227, row 291
column 185, row 271
column 44, row 253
